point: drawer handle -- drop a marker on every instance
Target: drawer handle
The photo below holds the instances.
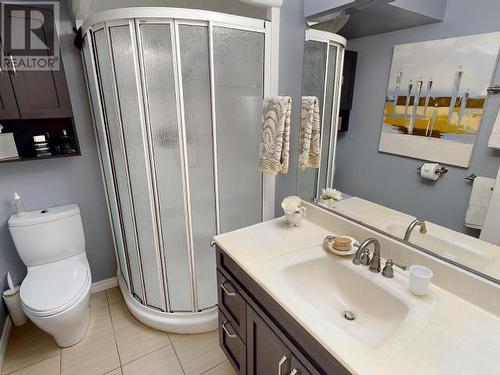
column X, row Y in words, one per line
column 280, row 364
column 229, row 334
column 294, row 372
column 228, row 293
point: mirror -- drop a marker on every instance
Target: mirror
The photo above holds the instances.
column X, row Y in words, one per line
column 404, row 140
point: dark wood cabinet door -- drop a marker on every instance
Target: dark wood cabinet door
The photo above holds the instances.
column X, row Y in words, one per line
column 266, row 353
column 40, row 93
column 297, row 368
column 8, row 104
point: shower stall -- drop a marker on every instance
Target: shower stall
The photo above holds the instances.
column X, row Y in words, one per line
column 176, row 97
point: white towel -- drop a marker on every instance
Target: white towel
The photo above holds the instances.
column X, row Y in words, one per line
column 275, row 135
column 310, row 134
column 480, row 197
column 494, row 140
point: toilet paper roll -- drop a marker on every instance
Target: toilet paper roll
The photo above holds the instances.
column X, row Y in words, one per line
column 429, row 171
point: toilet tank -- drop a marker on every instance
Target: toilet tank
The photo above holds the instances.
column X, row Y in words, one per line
column 48, row 235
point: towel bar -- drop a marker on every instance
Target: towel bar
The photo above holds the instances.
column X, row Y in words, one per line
column 471, row 177
column 495, row 89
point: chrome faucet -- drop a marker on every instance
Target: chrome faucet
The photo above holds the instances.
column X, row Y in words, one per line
column 413, row 224
column 362, row 255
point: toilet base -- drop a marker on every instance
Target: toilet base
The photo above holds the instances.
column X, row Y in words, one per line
column 67, row 327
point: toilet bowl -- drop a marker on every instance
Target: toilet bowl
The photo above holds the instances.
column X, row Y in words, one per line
column 55, row 297
column 56, row 291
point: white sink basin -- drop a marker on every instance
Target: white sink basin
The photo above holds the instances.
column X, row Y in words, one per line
column 328, row 286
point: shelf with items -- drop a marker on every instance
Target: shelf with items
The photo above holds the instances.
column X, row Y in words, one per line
column 56, row 138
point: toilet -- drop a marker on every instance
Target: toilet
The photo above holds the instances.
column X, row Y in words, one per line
column 56, row 291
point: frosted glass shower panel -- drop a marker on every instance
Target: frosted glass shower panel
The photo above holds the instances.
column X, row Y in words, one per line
column 134, row 132
column 328, row 121
column 116, row 145
column 161, row 100
column 195, row 67
column 107, row 163
column 313, row 84
column 239, row 90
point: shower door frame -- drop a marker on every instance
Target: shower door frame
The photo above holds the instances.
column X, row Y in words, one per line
column 134, row 17
column 339, row 42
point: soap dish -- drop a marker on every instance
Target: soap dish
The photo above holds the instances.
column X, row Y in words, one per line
column 328, row 242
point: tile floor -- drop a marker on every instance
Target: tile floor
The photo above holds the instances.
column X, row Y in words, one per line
column 115, row 344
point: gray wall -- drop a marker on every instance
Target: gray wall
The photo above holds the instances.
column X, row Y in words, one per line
column 44, row 183
column 392, row 180
column 292, row 34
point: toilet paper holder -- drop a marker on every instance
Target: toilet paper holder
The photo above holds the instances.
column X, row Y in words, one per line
column 441, row 170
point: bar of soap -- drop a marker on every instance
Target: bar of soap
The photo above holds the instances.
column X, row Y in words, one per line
column 342, row 243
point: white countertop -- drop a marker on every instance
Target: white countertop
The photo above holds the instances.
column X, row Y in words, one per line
column 459, row 337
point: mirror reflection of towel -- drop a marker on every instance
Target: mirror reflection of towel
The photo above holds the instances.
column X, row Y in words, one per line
column 480, row 197
column 275, row 135
column 310, row 133
column 494, row 140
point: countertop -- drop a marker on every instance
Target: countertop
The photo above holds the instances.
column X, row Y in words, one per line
column 458, row 338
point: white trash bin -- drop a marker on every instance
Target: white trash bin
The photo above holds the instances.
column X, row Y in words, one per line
column 12, row 299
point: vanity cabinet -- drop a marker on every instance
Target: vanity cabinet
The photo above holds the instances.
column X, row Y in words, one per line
column 258, row 336
column 267, row 354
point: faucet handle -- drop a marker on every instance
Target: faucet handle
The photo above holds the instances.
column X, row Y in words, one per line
column 388, row 271
column 365, row 257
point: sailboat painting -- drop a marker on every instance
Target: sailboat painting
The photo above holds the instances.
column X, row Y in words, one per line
column 436, row 96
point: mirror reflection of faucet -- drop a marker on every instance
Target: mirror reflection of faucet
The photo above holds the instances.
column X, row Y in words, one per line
column 413, row 224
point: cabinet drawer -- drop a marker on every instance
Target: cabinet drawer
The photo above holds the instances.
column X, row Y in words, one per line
column 232, row 345
column 232, row 304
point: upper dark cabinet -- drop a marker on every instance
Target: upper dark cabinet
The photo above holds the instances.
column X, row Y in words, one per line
column 41, row 94
column 38, row 93
column 35, row 108
column 346, row 95
column 8, row 104
column 349, row 72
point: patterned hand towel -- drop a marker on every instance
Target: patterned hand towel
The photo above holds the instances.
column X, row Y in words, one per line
column 275, row 135
column 310, row 134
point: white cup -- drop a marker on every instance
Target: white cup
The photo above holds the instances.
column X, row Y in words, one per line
column 420, row 279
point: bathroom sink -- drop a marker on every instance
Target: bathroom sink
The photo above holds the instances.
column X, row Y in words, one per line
column 370, row 308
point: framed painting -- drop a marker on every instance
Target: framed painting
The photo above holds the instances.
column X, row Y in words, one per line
column 436, row 96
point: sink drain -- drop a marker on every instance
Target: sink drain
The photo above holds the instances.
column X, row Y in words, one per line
column 348, row 315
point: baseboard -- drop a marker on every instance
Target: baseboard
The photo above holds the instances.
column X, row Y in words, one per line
column 4, row 340
column 99, row 286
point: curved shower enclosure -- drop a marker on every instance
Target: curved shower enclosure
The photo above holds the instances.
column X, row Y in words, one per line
column 322, row 78
column 176, row 97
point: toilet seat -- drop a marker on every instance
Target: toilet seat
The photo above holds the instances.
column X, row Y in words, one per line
column 51, row 288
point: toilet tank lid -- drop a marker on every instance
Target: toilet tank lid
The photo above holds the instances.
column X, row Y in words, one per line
column 44, row 215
